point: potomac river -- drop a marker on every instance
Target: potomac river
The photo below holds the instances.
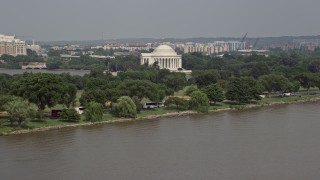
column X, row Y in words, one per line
column 280, row 142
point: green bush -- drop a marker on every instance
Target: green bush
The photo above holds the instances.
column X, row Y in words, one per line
column 214, row 92
column 177, row 103
column 93, row 112
column 199, row 102
column 70, row 115
column 190, row 90
column 125, row 107
column 20, row 111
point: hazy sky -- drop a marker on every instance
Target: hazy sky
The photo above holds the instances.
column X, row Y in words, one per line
column 87, row 19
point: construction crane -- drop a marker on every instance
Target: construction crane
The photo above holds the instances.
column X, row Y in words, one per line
column 242, row 40
column 255, row 44
column 244, row 37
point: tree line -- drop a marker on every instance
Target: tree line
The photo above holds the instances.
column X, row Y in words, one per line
column 240, row 79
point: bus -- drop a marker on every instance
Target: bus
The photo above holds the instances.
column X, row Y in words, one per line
column 152, row 105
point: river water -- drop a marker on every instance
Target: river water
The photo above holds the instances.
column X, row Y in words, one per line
column 279, row 143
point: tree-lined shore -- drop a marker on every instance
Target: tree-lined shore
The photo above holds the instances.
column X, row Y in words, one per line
column 233, row 81
column 35, row 126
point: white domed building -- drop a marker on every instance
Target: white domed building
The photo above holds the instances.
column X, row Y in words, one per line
column 165, row 56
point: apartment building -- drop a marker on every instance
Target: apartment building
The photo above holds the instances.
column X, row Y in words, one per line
column 12, row 46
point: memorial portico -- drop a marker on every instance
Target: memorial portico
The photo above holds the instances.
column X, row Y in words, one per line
column 165, row 56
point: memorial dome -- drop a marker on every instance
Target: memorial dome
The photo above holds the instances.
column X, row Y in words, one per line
column 164, row 50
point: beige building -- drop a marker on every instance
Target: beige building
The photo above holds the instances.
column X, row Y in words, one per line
column 165, row 56
column 208, row 49
column 12, row 46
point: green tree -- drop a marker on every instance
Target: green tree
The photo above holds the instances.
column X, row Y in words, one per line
column 70, row 115
column 177, row 103
column 69, row 98
column 6, row 99
column 5, row 81
column 194, row 61
column 125, row 107
column 93, row 112
column 92, row 95
column 96, row 72
column 54, row 63
column 56, row 53
column 190, row 90
column 316, row 80
column 137, row 102
column 139, row 75
column 314, row 66
column 244, row 89
column 307, row 80
column 175, row 81
column 20, row 111
column 205, row 78
column 287, row 60
column 295, row 86
column 214, row 92
column 260, row 69
column 199, row 102
column 274, row 83
column 44, row 90
column 141, row 89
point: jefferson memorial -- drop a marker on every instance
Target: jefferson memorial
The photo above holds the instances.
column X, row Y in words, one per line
column 165, row 56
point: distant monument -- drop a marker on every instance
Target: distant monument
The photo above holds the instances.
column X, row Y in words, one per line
column 165, row 56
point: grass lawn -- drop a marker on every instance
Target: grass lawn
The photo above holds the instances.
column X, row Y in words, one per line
column 287, row 99
column 6, row 127
column 217, row 106
column 153, row 112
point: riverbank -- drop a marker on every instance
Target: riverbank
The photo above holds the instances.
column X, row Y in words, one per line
column 32, row 127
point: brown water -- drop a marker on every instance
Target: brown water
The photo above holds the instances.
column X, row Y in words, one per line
column 277, row 143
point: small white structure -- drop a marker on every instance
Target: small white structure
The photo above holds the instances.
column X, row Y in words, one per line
column 165, row 56
column 34, row 47
column 102, row 57
column 35, row 65
column 80, row 110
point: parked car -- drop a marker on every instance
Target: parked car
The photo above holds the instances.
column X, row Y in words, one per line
column 56, row 113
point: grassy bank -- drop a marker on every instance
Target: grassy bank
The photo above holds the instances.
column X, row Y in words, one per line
column 6, row 128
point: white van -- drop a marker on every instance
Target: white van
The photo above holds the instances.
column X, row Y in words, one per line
column 286, row 94
column 80, row 109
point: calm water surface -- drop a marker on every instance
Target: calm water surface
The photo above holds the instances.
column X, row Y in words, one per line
column 277, row 143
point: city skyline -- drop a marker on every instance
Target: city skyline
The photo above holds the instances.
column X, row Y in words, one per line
column 95, row 20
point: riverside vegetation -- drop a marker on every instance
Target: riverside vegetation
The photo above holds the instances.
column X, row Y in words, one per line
column 233, row 81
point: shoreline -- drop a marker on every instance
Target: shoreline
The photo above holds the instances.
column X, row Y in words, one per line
column 151, row 117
